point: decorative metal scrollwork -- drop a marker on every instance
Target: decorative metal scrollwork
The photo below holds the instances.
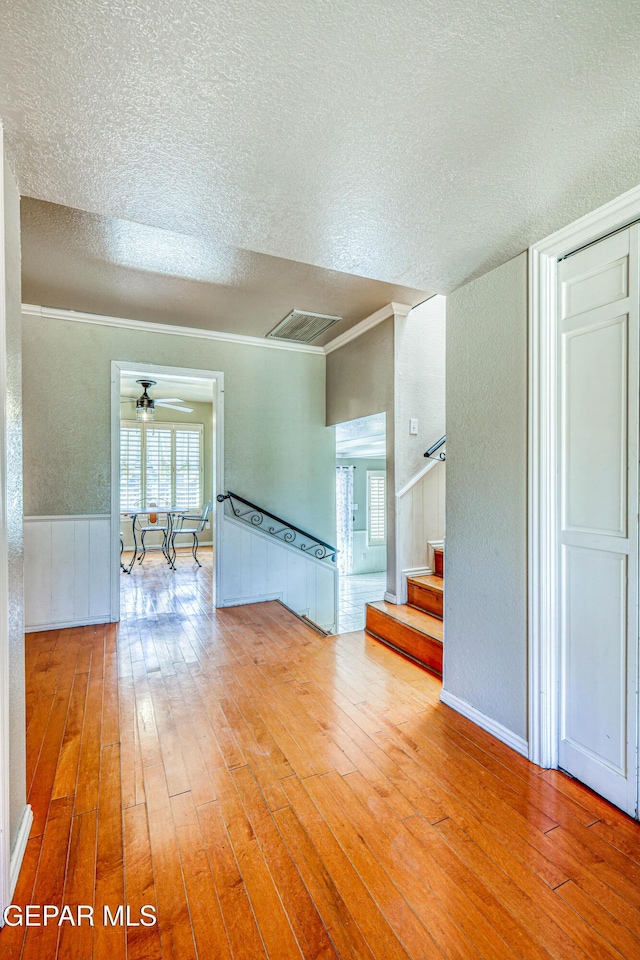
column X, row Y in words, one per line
column 276, row 527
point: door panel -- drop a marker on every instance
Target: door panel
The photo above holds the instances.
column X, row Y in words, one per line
column 595, row 428
column 595, row 652
column 594, row 288
column 598, row 515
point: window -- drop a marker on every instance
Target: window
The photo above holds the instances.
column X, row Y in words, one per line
column 376, row 508
column 161, row 463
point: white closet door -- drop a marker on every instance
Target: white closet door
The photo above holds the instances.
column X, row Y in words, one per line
column 598, row 516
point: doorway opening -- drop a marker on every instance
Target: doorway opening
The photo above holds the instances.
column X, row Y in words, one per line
column 166, row 474
column 361, row 517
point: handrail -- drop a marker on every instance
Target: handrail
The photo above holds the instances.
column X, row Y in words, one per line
column 285, row 532
column 434, row 449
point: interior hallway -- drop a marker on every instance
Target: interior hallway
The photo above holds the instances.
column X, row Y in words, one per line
column 354, row 592
column 279, row 794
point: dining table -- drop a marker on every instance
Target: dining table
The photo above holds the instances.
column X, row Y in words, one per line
column 168, row 545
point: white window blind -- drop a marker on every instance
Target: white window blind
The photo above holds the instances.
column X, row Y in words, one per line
column 130, row 467
column 188, row 461
column 158, row 464
column 376, row 508
column 161, row 463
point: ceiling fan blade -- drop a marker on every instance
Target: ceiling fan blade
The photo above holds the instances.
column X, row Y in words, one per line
column 173, row 406
column 127, row 399
column 169, row 400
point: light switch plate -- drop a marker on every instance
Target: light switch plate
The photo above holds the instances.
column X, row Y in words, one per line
column 413, row 426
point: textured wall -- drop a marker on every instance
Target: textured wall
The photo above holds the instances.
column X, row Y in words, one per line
column 13, row 505
column 360, row 383
column 420, row 369
column 486, row 543
column 278, row 451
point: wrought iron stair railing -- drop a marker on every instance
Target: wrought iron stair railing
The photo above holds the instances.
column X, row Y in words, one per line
column 276, row 527
column 432, row 451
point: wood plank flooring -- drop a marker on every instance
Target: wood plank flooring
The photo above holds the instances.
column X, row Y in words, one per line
column 276, row 794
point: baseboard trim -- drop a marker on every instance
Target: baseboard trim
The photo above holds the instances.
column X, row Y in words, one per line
column 66, row 624
column 19, row 847
column 417, row 572
column 390, row 597
column 241, row 601
column 481, row 720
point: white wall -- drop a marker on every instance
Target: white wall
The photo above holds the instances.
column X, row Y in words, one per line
column 258, row 567
column 69, row 564
column 11, row 545
column 420, row 518
column 360, row 382
column 419, row 385
column 485, row 647
column 397, row 366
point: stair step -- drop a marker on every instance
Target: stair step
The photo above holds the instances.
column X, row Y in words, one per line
column 438, row 561
column 411, row 632
column 426, row 593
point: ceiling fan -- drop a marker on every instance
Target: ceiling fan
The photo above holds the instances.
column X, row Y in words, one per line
column 145, row 405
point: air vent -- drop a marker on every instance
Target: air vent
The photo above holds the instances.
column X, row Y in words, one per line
column 302, row 326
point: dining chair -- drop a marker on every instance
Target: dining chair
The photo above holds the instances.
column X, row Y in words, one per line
column 151, row 522
column 193, row 525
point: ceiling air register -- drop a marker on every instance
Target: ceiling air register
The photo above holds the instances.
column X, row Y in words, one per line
column 302, row 326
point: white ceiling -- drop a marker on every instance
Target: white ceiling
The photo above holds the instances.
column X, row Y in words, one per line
column 184, row 388
column 362, row 439
column 413, row 142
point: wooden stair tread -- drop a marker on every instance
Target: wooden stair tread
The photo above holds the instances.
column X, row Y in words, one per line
column 432, row 581
column 422, row 622
column 408, row 631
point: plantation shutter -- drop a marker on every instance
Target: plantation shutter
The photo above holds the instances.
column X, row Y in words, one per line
column 131, row 494
column 158, row 465
column 376, row 507
column 188, row 468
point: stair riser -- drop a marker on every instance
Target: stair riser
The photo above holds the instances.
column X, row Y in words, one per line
column 438, row 562
column 430, row 601
column 403, row 638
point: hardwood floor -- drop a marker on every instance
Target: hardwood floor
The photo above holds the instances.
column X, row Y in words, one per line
column 279, row 794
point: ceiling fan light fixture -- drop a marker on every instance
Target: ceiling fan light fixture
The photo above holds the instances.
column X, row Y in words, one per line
column 145, row 405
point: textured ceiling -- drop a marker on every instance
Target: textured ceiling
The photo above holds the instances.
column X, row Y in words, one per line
column 363, row 438
column 186, row 388
column 413, row 142
column 80, row 261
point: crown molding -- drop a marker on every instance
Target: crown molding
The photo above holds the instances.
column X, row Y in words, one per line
column 390, row 310
column 146, row 326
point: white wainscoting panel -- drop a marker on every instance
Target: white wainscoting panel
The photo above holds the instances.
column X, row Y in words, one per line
column 376, row 557
column 256, row 567
column 420, row 519
column 67, row 571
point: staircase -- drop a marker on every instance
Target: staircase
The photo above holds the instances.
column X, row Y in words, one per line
column 415, row 628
